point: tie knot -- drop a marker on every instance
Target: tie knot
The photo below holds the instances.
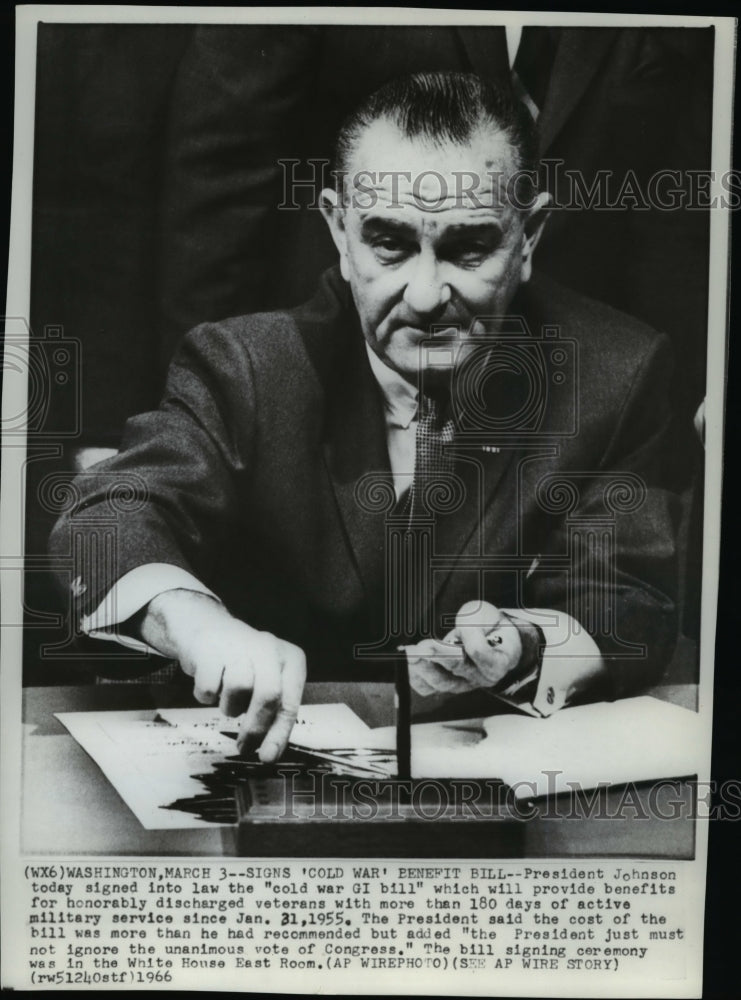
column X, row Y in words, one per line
column 432, row 411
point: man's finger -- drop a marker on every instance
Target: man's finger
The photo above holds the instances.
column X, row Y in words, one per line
column 447, row 651
column 424, row 649
column 236, row 688
column 477, row 614
column 476, row 648
column 438, row 678
column 467, row 671
column 417, row 678
column 207, row 681
column 266, row 697
column 293, row 678
column 188, row 666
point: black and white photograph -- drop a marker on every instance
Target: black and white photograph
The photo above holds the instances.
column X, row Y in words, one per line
column 363, row 405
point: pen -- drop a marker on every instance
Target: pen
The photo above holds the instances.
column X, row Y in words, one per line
column 453, row 650
column 456, row 652
column 403, row 721
column 338, row 759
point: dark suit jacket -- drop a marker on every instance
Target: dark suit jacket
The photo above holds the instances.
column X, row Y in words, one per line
column 247, row 476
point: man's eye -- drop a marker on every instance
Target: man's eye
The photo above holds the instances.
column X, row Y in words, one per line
column 389, row 249
column 468, row 253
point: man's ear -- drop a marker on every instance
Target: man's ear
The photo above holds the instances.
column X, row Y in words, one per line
column 331, row 207
column 535, row 220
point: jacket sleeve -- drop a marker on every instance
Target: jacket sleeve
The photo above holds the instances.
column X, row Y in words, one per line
column 616, row 525
column 170, row 495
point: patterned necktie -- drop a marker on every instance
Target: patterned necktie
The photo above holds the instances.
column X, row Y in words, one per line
column 433, row 455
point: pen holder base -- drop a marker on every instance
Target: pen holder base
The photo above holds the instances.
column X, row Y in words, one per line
column 316, row 814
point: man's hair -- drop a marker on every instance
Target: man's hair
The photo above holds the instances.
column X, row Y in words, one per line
column 443, row 107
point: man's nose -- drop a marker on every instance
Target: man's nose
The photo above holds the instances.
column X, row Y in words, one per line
column 426, row 290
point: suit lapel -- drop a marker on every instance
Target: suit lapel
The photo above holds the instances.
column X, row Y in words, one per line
column 355, row 446
column 578, row 56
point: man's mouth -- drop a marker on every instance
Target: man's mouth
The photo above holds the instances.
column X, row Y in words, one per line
column 435, row 330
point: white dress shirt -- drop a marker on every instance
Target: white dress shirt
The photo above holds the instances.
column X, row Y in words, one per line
column 400, row 404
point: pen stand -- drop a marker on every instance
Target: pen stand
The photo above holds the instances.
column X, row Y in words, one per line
column 315, row 814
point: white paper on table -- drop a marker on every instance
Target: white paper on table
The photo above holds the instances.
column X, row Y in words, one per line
column 318, row 727
column 631, row 740
column 151, row 763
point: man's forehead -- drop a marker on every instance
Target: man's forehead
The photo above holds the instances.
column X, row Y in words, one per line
column 390, row 169
column 451, row 221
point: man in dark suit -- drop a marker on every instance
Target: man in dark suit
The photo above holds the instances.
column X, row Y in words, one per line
column 156, row 190
column 429, row 391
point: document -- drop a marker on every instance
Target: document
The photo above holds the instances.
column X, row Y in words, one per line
column 166, row 765
column 634, row 739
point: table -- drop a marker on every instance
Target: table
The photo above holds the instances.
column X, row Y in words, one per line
column 70, row 808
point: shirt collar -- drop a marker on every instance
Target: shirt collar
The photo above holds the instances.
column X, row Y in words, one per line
column 399, row 397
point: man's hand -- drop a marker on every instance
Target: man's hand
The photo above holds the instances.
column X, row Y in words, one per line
column 479, row 652
column 231, row 664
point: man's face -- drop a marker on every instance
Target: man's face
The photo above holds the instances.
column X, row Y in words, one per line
column 428, row 239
